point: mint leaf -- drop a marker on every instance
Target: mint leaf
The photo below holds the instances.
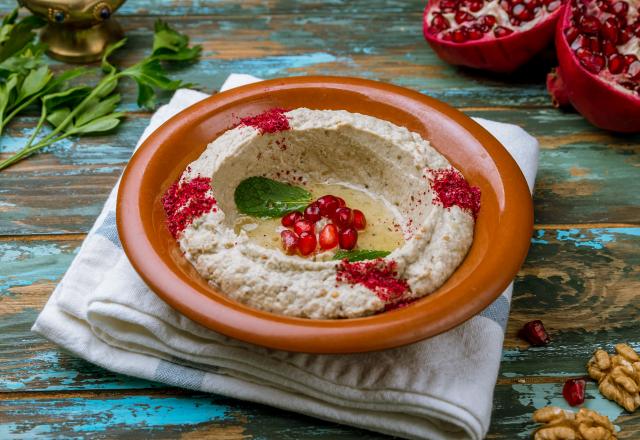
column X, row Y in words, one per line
column 359, row 255
column 262, row 197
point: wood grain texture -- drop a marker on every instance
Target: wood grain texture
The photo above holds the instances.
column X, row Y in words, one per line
column 582, row 275
column 576, row 272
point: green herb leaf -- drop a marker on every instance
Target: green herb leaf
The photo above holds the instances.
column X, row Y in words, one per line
column 262, row 197
column 106, row 66
column 96, row 109
column 146, row 95
column 57, row 117
column 34, row 82
column 14, row 36
column 105, row 123
column 7, row 92
column 171, row 45
column 359, row 255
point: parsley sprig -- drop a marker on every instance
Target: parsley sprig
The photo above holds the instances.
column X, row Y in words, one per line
column 77, row 110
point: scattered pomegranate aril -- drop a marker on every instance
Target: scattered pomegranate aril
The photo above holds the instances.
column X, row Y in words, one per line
column 624, row 36
column 534, row 333
column 341, row 202
column 608, row 48
column 348, row 238
column 304, row 226
column 475, row 6
column 573, row 391
column 288, row 220
column 307, row 243
column 328, row 205
column 289, row 241
column 343, row 217
column 328, row 237
column 312, row 212
column 359, row 220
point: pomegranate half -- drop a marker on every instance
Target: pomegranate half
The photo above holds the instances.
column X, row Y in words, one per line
column 495, row 35
column 598, row 46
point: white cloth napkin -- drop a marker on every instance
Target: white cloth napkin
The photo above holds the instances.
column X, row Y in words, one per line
column 441, row 388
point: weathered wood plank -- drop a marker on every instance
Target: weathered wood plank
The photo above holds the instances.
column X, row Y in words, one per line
column 591, row 275
column 173, row 413
column 581, row 173
column 284, row 45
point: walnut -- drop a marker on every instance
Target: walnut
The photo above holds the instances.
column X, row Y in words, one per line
column 567, row 425
column 618, row 375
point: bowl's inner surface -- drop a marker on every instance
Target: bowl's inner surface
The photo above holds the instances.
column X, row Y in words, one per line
column 500, row 237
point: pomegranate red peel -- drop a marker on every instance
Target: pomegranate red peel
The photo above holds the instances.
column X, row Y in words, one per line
column 504, row 53
column 594, row 95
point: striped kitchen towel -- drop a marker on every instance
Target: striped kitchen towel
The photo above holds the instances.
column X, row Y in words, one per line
column 440, row 388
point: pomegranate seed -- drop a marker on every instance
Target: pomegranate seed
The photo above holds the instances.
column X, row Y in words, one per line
column 534, row 333
column 329, row 237
column 348, row 238
column 521, row 12
column 475, row 6
column 341, row 202
column 629, row 59
column 610, row 29
column 448, row 5
column 359, row 220
column 343, row 217
column 530, row 4
column 571, row 33
column 634, row 71
column 462, row 16
column 304, row 226
column 440, row 22
column 504, row 4
column 573, row 391
column 554, row 5
column 608, row 48
column 620, row 8
column 290, row 219
column 616, row 64
column 594, row 63
column 501, row 31
column 515, row 22
column 475, row 33
column 328, row 205
column 589, row 24
column 446, row 36
column 624, row 36
column 307, row 243
column 459, row 35
column 487, row 20
column 581, row 41
column 289, row 241
column 594, row 44
column 312, row 212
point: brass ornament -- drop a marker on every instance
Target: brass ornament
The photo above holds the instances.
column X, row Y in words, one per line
column 78, row 31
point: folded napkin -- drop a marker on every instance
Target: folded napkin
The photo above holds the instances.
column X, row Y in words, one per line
column 441, row 388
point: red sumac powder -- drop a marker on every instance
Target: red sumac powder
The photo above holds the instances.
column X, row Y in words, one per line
column 185, row 201
column 452, row 189
column 378, row 275
column 271, row 121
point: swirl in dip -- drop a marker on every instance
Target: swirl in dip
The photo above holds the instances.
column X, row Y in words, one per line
column 418, row 208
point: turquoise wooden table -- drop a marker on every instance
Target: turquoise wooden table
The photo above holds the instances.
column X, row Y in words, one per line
column 582, row 275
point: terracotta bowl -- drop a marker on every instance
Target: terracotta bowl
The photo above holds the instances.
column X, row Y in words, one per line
column 500, row 244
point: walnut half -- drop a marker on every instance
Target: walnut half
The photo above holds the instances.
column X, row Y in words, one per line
column 618, row 375
column 567, row 425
